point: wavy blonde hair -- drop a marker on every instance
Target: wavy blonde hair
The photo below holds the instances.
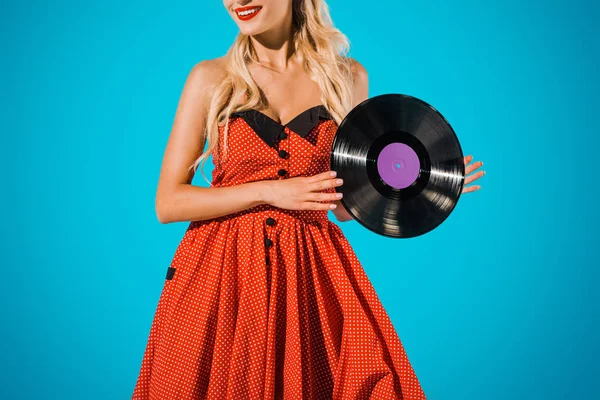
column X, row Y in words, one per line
column 324, row 50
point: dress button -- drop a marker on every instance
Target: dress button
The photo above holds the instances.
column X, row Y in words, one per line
column 283, row 153
column 281, row 172
column 282, row 135
column 268, row 242
column 270, row 221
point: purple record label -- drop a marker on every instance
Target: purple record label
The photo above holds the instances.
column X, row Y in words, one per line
column 398, row 165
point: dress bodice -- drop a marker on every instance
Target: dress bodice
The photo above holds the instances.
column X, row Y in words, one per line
column 260, row 148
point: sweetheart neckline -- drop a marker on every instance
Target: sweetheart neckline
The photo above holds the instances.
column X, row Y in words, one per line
column 271, row 131
column 290, row 122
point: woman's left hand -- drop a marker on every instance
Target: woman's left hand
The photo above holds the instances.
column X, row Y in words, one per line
column 474, row 177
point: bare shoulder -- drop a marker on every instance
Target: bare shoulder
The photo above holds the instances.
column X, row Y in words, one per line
column 207, row 73
column 358, row 70
column 361, row 81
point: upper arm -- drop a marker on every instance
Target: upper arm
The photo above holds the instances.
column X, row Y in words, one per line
column 187, row 138
column 360, row 92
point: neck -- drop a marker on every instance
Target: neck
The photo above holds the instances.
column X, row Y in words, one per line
column 274, row 48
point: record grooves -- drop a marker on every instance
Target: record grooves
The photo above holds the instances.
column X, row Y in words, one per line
column 402, row 165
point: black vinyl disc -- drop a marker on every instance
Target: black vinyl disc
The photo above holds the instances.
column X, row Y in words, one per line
column 402, row 165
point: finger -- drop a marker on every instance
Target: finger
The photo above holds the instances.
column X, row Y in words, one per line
column 323, row 185
column 321, row 176
column 309, row 205
column 473, row 167
column 471, row 188
column 323, row 196
column 471, row 178
column 468, row 159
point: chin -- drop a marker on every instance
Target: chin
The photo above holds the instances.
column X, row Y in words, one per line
column 251, row 31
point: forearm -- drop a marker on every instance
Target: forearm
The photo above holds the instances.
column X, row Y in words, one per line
column 192, row 203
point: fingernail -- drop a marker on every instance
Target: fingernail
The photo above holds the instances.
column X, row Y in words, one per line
column 339, row 181
column 338, row 195
column 332, row 206
column 333, row 173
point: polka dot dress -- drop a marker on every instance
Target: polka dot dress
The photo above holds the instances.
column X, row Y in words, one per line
column 269, row 303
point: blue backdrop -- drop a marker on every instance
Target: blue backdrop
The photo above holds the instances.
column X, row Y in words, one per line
column 498, row 302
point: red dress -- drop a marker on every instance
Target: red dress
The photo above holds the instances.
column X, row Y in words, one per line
column 269, row 303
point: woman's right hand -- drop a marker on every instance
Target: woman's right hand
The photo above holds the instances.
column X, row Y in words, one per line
column 302, row 192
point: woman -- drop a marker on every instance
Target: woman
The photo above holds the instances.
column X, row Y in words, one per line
column 265, row 298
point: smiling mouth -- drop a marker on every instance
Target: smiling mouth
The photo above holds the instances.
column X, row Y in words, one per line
column 246, row 13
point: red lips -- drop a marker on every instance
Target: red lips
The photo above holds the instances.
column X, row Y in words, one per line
column 247, row 16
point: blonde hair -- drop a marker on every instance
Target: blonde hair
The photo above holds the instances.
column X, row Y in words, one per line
column 324, row 52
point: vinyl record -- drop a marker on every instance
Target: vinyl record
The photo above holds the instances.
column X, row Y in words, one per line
column 402, row 165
